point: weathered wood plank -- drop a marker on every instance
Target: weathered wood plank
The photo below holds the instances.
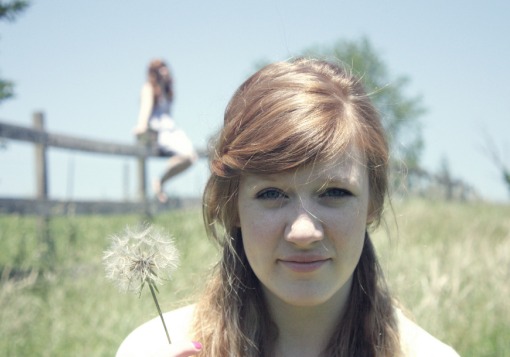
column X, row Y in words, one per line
column 62, row 207
column 16, row 132
column 46, row 207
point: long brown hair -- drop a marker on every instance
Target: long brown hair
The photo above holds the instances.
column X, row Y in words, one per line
column 287, row 115
column 161, row 84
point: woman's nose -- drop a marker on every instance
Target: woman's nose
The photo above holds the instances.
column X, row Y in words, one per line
column 304, row 229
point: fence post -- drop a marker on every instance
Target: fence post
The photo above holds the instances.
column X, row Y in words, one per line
column 41, row 167
column 142, row 179
column 41, row 170
column 144, row 140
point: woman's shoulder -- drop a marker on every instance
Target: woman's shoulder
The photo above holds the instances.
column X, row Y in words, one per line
column 416, row 342
column 151, row 336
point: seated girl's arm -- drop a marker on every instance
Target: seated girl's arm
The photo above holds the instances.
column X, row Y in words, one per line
column 146, row 105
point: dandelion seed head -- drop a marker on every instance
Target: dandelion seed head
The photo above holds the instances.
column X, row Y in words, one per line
column 140, row 255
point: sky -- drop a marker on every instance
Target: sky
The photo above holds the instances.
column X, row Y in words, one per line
column 83, row 63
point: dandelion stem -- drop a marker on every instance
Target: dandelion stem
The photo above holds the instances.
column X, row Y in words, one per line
column 159, row 310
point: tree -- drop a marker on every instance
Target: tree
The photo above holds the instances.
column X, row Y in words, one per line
column 494, row 155
column 400, row 113
column 8, row 12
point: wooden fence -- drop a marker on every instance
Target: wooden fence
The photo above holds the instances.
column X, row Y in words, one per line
column 43, row 205
column 406, row 182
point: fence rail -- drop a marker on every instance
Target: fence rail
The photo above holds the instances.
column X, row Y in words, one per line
column 43, row 205
column 414, row 182
column 64, row 207
column 37, row 135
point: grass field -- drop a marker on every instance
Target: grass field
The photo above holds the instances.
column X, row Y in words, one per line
column 449, row 264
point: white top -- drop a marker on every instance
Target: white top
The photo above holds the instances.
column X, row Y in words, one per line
column 416, row 342
column 150, row 337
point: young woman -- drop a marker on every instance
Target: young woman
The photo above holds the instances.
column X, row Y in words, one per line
column 299, row 178
column 155, row 117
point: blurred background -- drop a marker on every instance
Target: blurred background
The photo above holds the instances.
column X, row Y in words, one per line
column 437, row 70
column 83, row 63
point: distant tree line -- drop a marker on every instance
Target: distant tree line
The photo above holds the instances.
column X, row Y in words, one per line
column 400, row 112
column 495, row 156
column 9, row 12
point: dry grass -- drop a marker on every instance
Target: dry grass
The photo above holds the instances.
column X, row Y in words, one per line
column 448, row 262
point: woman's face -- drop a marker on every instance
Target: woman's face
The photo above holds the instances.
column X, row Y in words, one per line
column 164, row 72
column 303, row 231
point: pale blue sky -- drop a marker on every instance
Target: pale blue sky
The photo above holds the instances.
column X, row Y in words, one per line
column 83, row 62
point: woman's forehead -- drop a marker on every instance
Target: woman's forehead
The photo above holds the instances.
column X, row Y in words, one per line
column 347, row 168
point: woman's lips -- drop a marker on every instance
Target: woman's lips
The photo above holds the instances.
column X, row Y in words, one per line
column 303, row 264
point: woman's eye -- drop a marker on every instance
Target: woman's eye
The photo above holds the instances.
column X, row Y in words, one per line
column 271, row 194
column 335, row 192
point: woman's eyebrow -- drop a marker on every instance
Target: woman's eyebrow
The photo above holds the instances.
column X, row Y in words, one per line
column 343, row 179
column 265, row 177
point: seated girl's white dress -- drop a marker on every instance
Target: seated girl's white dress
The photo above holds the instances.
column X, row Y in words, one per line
column 170, row 139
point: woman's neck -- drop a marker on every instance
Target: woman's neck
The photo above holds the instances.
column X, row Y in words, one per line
column 306, row 330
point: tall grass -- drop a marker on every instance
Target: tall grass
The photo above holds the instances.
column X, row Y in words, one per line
column 448, row 263
column 71, row 309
